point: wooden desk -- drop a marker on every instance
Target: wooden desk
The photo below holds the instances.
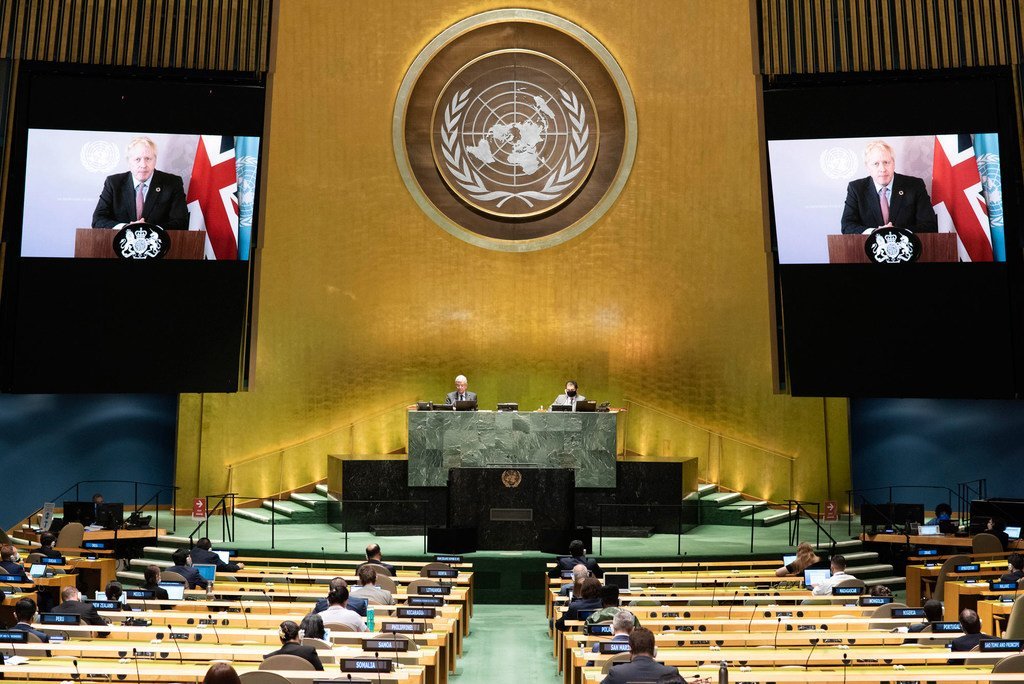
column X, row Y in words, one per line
column 960, row 595
column 919, row 575
column 105, row 535
column 849, row 249
column 937, row 540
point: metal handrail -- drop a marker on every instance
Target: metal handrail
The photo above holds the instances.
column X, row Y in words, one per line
column 679, row 522
column 174, row 494
column 850, row 492
column 794, row 529
column 423, row 509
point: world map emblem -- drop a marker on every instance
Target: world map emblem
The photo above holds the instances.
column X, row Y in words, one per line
column 514, row 130
column 515, row 133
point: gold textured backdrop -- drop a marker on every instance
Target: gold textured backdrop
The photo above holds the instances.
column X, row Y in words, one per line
column 364, row 304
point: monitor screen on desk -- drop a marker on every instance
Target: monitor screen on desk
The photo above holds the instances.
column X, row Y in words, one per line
column 225, row 556
column 788, row 558
column 816, row 576
column 207, row 572
column 175, row 590
column 1013, row 532
column 926, row 530
column 37, row 570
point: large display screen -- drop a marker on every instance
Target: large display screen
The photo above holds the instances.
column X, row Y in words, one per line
column 130, row 231
column 894, row 212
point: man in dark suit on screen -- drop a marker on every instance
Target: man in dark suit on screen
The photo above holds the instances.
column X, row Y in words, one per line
column 643, row 667
column 142, row 194
column 886, row 198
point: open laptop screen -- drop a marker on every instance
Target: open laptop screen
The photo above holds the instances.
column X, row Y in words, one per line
column 816, row 576
column 1013, row 532
column 207, row 572
column 225, row 556
column 175, row 590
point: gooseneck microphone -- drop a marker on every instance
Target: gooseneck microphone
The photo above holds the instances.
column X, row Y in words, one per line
column 732, row 604
column 213, row 623
column 323, row 555
column 181, row 658
column 814, row 645
column 135, row 657
column 775, row 640
column 241, row 607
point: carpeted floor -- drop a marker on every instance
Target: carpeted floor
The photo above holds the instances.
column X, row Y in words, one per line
column 508, row 645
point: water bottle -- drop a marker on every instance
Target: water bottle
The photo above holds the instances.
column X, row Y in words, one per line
column 369, row 618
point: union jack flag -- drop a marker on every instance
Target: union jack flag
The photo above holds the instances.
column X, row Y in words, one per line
column 212, row 199
column 958, row 199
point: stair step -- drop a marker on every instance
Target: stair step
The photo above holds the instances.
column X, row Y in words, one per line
column 254, row 514
column 286, row 508
column 308, row 498
column 143, row 562
column 174, row 540
column 720, row 498
column 322, row 489
column 746, row 507
column 887, row 581
column 768, row 517
column 860, row 556
column 706, row 488
column 863, row 571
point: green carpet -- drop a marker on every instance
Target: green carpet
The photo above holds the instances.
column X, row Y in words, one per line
column 504, row 635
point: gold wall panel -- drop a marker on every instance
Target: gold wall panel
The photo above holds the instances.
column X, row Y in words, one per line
column 364, row 303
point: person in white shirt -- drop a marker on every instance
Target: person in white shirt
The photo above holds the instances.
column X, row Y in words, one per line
column 839, row 576
column 338, row 614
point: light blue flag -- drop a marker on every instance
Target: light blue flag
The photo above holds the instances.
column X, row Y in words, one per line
column 986, row 149
column 247, row 153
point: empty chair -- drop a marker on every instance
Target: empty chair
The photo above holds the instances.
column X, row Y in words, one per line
column 884, row 613
column 425, row 571
column 70, row 536
column 385, row 582
column 1015, row 623
column 414, row 586
column 339, row 627
column 1010, row 664
column 986, row 543
column 615, row 659
column 853, row 582
column 168, row 576
column 259, row 677
column 947, row 567
column 286, row 662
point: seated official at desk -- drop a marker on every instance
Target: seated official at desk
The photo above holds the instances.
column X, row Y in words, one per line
column 932, row 613
column 152, row 583
column 643, row 667
column 623, row 624
column 461, row 392
column 1015, row 571
column 943, row 514
column 971, row 625
column 374, row 557
column 338, row 614
column 356, row 605
column 577, row 556
column 290, row 645
column 71, row 602
column 805, row 559
column 997, row 528
column 10, row 563
column 609, row 606
column 113, row 591
column 570, row 397
column 183, row 566
column 312, row 627
column 886, row 198
column 46, row 542
column 572, row 589
column 25, row 613
column 838, row 567
column 203, row 554
column 590, row 599
column 369, row 590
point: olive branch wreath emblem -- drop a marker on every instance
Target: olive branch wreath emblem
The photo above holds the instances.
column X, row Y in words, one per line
column 469, row 180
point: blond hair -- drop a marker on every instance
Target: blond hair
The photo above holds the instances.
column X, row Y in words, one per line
column 876, row 145
column 141, row 140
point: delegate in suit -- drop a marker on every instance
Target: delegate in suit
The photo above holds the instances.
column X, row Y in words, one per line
column 460, row 393
column 886, row 198
column 142, row 193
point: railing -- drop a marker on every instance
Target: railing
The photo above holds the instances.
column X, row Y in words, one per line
column 226, row 504
column 794, row 523
column 679, row 509
column 253, row 471
column 420, row 503
column 726, row 460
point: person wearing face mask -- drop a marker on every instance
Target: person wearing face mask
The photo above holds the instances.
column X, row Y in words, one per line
column 571, row 397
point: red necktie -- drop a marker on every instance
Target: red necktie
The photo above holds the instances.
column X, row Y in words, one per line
column 139, row 200
column 885, row 206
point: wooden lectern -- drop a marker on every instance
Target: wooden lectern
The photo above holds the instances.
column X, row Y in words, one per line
column 98, row 243
column 849, row 249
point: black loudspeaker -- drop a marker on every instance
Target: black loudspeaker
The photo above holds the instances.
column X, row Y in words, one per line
column 456, row 540
column 556, row 541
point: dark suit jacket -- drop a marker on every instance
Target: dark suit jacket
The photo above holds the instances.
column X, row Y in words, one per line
column 564, row 563
column 305, row 652
column 355, row 604
column 88, row 613
column 572, row 611
column 909, row 207
column 158, row 592
column 203, row 557
column 165, row 202
column 47, row 551
column 450, row 397
column 641, row 669
column 1014, row 576
column 190, row 574
column 12, row 568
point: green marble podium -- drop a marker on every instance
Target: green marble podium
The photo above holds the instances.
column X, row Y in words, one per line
column 440, row 440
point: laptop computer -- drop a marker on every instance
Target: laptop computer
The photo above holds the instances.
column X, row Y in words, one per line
column 788, row 558
column 816, row 576
column 928, row 529
column 225, row 556
column 1013, row 532
column 617, row 579
column 561, row 407
column 586, row 406
column 37, row 570
column 207, row 572
column 175, row 590
column 465, row 405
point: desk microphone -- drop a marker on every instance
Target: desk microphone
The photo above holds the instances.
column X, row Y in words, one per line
column 181, row 658
column 814, row 645
column 270, row 610
column 308, row 578
column 288, row 584
column 241, row 607
column 753, row 614
column 213, row 623
column 77, row 675
column 846, row 663
column 775, row 642
column 732, row 604
column 135, row 657
column 714, row 589
column 323, row 554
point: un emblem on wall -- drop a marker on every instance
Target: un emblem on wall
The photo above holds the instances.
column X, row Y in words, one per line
column 515, row 133
column 502, row 143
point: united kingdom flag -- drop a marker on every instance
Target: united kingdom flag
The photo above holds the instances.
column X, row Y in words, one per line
column 212, row 196
column 958, row 198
